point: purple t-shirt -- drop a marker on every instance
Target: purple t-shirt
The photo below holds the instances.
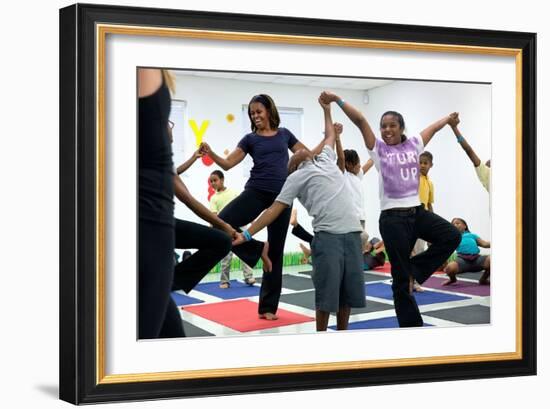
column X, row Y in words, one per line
column 399, row 172
column 270, row 156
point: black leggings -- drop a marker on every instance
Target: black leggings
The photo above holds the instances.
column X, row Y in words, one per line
column 241, row 211
column 302, row 233
column 212, row 245
column 158, row 315
column 400, row 229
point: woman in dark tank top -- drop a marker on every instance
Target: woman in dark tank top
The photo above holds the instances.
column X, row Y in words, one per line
column 158, row 315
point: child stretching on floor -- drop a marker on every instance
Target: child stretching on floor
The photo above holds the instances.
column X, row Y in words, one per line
column 403, row 219
column 319, row 185
column 468, row 258
column 373, row 252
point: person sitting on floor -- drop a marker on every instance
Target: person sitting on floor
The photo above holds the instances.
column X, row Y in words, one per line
column 468, row 255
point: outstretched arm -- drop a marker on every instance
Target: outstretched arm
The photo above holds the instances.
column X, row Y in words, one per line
column 465, row 145
column 183, row 194
column 354, row 115
column 483, row 243
column 232, row 159
column 330, row 134
column 341, row 159
column 265, row 219
column 368, row 164
column 187, row 164
column 428, row 133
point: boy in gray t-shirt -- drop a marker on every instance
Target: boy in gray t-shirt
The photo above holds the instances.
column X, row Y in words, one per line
column 337, row 261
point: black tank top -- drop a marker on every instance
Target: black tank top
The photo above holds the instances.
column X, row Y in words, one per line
column 156, row 184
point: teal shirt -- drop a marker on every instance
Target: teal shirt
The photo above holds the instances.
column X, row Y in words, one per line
column 468, row 244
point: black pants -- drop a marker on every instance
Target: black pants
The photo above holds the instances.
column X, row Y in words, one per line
column 400, row 229
column 241, row 211
column 302, row 233
column 212, row 245
column 158, row 315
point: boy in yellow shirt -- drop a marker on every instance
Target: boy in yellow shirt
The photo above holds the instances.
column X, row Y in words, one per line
column 218, row 201
column 426, row 195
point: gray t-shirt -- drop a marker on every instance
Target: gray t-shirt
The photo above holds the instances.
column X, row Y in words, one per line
column 320, row 187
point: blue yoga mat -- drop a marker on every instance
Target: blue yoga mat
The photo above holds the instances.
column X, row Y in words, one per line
column 381, row 290
column 181, row 299
column 388, row 322
column 236, row 290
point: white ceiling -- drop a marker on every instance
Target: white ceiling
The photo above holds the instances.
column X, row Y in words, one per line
column 309, row 81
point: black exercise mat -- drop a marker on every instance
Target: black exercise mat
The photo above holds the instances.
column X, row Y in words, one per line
column 306, row 299
column 473, row 314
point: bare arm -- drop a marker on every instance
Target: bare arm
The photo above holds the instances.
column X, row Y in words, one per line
column 341, row 159
column 368, row 164
column 330, row 133
column 354, row 115
column 265, row 219
column 149, row 81
column 428, row 133
column 465, row 145
column 187, row 164
column 232, row 159
column 297, row 146
column 183, row 194
column 483, row 243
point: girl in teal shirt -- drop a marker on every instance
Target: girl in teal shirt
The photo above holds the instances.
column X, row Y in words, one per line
column 468, row 257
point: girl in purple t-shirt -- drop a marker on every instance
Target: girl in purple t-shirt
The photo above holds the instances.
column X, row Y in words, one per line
column 268, row 145
column 403, row 219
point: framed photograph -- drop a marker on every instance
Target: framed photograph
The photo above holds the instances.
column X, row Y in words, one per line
column 218, row 61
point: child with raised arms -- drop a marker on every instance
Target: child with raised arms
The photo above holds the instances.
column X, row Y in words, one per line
column 403, row 219
column 337, row 260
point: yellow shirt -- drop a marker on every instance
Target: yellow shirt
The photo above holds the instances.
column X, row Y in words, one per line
column 425, row 191
column 220, row 199
column 484, row 176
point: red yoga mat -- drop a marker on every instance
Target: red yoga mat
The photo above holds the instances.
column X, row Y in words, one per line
column 242, row 315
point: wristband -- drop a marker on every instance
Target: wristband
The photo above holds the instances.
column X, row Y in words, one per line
column 341, row 103
column 247, row 235
column 460, row 139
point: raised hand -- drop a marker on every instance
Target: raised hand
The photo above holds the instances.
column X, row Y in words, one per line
column 198, row 154
column 327, row 97
column 323, row 104
column 204, row 148
column 454, row 120
column 338, row 128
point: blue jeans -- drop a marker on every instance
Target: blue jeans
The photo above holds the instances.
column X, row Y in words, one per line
column 400, row 228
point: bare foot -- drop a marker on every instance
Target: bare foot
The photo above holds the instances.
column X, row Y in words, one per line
column 451, row 280
column 268, row 316
column 417, row 288
column 224, row 285
column 265, row 258
column 294, row 217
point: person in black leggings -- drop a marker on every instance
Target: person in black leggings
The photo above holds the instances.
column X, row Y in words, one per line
column 157, row 313
column 268, row 145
